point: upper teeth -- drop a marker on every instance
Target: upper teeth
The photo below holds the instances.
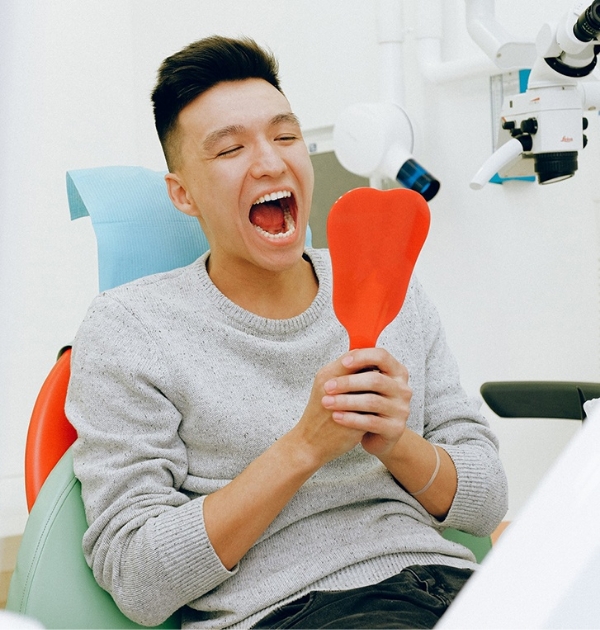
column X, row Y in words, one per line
column 273, row 196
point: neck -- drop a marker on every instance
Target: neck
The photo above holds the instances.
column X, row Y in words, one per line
column 274, row 295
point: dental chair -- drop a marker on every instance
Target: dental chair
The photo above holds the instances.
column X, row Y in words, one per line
column 138, row 232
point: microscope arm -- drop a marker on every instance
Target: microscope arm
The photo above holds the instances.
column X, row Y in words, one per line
column 590, row 91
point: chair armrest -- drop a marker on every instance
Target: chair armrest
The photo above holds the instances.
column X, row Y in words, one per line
column 539, row 399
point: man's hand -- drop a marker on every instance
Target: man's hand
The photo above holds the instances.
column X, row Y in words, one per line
column 374, row 398
column 363, row 397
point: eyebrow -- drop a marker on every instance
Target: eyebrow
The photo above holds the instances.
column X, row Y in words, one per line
column 286, row 117
column 218, row 134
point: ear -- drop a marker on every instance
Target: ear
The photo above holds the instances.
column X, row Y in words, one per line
column 179, row 195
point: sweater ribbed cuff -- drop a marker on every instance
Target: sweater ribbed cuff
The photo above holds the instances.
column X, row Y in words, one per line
column 473, row 489
column 190, row 561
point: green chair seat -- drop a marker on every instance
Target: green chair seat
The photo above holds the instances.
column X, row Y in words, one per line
column 52, row 581
column 479, row 545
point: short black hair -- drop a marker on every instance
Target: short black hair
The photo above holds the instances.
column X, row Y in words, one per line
column 187, row 74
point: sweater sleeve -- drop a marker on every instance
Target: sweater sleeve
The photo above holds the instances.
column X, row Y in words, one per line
column 453, row 421
column 146, row 542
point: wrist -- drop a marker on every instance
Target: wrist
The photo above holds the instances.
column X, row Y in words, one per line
column 400, row 454
column 414, row 462
column 298, row 454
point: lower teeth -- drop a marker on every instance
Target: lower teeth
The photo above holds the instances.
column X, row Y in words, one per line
column 289, row 224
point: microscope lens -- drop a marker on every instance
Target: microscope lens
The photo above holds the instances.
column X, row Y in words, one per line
column 556, row 166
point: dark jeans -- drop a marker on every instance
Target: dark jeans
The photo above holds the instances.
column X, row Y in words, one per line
column 415, row 598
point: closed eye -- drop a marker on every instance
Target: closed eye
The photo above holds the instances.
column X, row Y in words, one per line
column 286, row 138
column 230, row 151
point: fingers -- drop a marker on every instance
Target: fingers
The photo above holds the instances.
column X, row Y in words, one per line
column 364, row 404
column 376, row 401
column 361, row 397
column 367, row 359
column 352, row 363
column 368, row 411
column 369, row 381
column 368, row 370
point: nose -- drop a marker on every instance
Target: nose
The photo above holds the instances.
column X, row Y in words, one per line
column 267, row 161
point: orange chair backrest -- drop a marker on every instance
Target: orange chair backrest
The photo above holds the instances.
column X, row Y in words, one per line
column 50, row 433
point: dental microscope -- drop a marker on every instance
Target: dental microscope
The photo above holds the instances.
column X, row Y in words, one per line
column 543, row 129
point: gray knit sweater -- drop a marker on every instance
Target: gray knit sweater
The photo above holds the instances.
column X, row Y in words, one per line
column 175, row 389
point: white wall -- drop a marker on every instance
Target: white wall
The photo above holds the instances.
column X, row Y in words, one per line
column 513, row 269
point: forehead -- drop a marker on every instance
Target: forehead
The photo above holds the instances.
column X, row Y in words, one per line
column 243, row 103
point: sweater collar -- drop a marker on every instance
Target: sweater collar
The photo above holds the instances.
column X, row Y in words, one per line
column 241, row 318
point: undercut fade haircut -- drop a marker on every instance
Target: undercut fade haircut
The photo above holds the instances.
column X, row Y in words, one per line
column 187, row 74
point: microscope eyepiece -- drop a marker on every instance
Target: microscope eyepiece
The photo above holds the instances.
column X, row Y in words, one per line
column 587, row 27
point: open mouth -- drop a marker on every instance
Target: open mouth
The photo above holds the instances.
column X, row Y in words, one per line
column 274, row 215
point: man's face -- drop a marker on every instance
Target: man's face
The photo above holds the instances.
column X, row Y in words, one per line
column 245, row 172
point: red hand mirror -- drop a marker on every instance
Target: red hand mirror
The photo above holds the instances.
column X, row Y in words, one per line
column 375, row 238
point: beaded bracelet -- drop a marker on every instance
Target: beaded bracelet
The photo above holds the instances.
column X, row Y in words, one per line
column 435, row 473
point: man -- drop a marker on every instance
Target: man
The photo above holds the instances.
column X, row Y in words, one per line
column 235, row 459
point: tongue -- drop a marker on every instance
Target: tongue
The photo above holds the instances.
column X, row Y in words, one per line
column 269, row 217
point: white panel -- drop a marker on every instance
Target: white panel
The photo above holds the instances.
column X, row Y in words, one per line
column 543, row 573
